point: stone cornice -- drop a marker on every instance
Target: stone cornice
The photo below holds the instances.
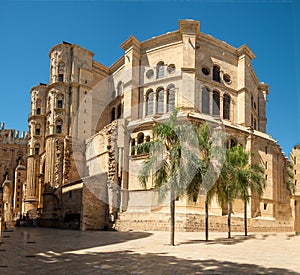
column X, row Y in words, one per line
column 131, row 42
column 68, row 45
column 214, row 41
column 244, row 50
column 100, row 67
column 39, row 87
column 161, row 41
column 118, row 64
column 189, row 27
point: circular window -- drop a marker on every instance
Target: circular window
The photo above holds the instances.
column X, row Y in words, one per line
column 205, row 71
column 149, row 74
column 227, row 78
column 171, row 69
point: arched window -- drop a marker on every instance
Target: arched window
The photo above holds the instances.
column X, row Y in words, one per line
column 148, row 148
column 132, row 147
column 171, row 98
column 140, row 140
column 231, row 143
column 216, row 103
column 160, row 69
column 61, row 71
column 113, row 114
column 149, row 100
column 120, row 88
column 205, row 101
column 226, row 107
column 160, row 100
column 37, row 129
column 37, row 148
column 59, row 124
column 216, row 73
column 60, row 101
column 119, row 111
column 38, row 107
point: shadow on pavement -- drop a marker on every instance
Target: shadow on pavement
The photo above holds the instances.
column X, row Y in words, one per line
column 232, row 241
column 128, row 262
column 68, row 239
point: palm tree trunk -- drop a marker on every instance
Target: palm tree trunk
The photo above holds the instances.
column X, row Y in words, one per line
column 229, row 215
column 172, row 211
column 245, row 217
column 206, row 218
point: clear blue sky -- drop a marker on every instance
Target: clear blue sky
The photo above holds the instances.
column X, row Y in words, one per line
column 28, row 29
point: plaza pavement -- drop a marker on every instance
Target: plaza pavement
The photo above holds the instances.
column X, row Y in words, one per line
column 29, row 250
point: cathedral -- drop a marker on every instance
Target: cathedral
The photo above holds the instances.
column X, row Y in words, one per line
column 82, row 162
column 13, row 150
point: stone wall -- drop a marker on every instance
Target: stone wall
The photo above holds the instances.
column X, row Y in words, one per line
column 196, row 222
column 94, row 203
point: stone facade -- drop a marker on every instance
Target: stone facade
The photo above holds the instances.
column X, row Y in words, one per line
column 85, row 122
column 295, row 201
column 13, row 174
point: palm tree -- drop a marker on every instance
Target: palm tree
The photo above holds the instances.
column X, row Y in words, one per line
column 238, row 177
column 290, row 178
column 249, row 177
column 170, row 161
column 210, row 161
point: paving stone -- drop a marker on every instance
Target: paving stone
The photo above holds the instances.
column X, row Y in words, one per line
column 107, row 252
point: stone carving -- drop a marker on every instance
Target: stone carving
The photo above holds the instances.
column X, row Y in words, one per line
column 59, row 149
column 67, row 158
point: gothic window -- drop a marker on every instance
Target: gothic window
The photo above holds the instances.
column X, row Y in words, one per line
column 59, row 124
column 149, row 101
column 60, row 77
column 61, row 66
column 171, row 98
column 226, row 107
column 205, row 100
column 60, row 101
column 113, row 114
column 216, row 73
column 37, row 149
column 216, row 103
column 119, row 111
column 140, row 140
column 38, row 106
column 38, row 129
column 132, row 147
column 160, row 100
column 160, row 70
column 120, row 88
column 231, row 143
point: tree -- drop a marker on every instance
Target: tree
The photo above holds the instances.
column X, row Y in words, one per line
column 172, row 161
column 290, row 178
column 238, row 178
column 210, row 162
column 250, row 177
